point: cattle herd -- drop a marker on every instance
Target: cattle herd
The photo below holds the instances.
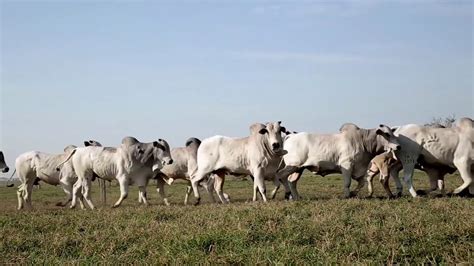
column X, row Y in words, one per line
column 270, row 152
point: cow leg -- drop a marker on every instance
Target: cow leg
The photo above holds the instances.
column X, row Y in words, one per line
column 286, row 185
column 394, row 174
column 208, row 185
column 408, row 178
column 24, row 175
column 19, row 194
column 360, row 185
column 276, row 183
column 81, row 200
column 464, row 169
column 293, row 178
column 195, row 180
column 284, row 176
column 142, row 194
column 27, row 193
column 160, row 188
column 347, row 175
column 123, row 182
column 75, row 192
column 386, row 187
column 67, row 187
column 370, row 177
column 218, row 186
column 189, row 189
column 433, row 175
column 87, row 192
column 441, row 186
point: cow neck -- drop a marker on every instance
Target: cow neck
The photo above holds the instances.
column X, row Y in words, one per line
column 370, row 140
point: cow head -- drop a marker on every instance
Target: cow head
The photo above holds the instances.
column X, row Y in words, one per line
column 271, row 134
column 161, row 154
column 143, row 153
column 3, row 164
column 390, row 140
column 193, row 142
column 88, row 143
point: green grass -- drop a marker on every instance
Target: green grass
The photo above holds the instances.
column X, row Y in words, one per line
column 323, row 228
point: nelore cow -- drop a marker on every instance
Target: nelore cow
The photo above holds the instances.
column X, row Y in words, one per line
column 438, row 151
column 347, row 152
column 251, row 155
column 184, row 165
column 35, row 166
column 132, row 162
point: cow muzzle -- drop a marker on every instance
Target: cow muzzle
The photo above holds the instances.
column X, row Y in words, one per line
column 167, row 162
column 276, row 146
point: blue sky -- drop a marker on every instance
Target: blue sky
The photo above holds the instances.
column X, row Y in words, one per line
column 175, row 69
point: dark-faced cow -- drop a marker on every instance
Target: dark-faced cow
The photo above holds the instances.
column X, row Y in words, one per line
column 3, row 165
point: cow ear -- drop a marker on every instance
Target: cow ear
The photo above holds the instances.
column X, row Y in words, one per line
column 381, row 133
column 283, row 129
column 161, row 147
column 263, row 131
column 394, row 129
column 155, row 144
column 86, row 144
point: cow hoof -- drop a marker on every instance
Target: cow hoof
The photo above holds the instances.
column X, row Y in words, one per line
column 60, row 204
column 287, row 195
column 421, row 192
column 463, row 194
column 10, row 185
column 198, row 201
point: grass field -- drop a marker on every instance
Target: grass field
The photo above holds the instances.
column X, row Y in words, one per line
column 322, row 228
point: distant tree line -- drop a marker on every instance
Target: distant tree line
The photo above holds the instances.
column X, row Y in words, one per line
column 442, row 121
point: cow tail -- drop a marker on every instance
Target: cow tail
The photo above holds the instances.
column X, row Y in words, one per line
column 10, row 179
column 58, row 168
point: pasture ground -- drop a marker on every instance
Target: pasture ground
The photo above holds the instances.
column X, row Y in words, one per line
column 323, row 228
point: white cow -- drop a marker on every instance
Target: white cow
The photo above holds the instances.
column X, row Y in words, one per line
column 35, row 166
column 184, row 165
column 251, row 155
column 132, row 162
column 3, row 165
column 348, row 152
column 439, row 151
